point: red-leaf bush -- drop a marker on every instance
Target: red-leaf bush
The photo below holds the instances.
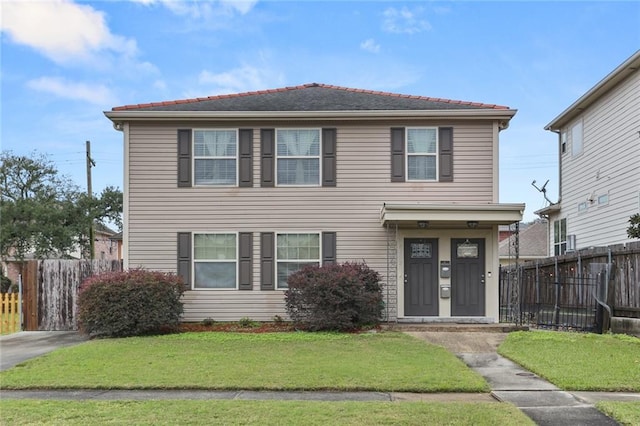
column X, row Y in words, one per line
column 339, row 297
column 130, row 303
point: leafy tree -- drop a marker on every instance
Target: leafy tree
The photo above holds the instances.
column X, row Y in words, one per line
column 44, row 213
column 633, row 231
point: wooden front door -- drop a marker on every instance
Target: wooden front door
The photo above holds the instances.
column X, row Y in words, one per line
column 421, row 277
column 467, row 277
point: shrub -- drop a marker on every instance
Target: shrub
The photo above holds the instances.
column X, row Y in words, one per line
column 246, row 322
column 130, row 303
column 6, row 286
column 340, row 297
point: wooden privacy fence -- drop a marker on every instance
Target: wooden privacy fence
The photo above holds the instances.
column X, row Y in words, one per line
column 50, row 291
column 9, row 313
column 579, row 290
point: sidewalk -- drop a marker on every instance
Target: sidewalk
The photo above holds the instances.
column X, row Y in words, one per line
column 542, row 401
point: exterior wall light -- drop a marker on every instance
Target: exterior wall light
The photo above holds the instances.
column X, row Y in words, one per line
column 423, row 224
column 472, row 224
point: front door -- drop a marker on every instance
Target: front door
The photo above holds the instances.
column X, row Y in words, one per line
column 421, row 277
column 467, row 277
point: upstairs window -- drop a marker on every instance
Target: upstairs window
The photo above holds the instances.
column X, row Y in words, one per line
column 422, row 154
column 215, row 157
column 298, row 157
column 576, row 139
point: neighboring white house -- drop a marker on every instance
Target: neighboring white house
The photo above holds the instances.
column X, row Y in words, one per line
column 599, row 150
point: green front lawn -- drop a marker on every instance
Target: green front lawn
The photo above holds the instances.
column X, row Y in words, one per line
column 286, row 361
column 627, row 413
column 20, row 412
column 577, row 361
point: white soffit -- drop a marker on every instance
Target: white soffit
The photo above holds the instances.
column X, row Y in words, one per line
column 495, row 214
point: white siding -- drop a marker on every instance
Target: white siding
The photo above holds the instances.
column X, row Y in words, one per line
column 158, row 209
column 608, row 165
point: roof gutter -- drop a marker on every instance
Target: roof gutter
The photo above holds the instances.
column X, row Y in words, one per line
column 630, row 66
column 131, row 115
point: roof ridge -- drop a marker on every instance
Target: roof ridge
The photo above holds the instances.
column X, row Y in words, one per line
column 299, row 87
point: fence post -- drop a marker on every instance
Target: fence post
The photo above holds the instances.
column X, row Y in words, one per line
column 556, row 307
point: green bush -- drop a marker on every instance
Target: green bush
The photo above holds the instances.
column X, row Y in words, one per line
column 340, row 297
column 130, row 303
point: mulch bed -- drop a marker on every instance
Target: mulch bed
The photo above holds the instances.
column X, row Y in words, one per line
column 266, row 327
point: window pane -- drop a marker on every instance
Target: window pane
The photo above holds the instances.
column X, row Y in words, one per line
column 215, row 275
column 576, row 139
column 287, row 268
column 299, row 171
column 298, row 247
column 422, row 167
column 215, row 172
column 298, row 143
column 215, row 143
column 215, row 246
column 421, row 141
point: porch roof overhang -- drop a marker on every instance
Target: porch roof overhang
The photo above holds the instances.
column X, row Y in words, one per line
column 546, row 211
column 441, row 215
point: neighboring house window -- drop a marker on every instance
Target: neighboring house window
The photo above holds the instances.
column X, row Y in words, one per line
column 293, row 251
column 422, row 154
column 582, row 206
column 559, row 236
column 576, row 139
column 298, row 157
column 563, row 142
column 215, row 261
column 214, row 157
column 603, row 199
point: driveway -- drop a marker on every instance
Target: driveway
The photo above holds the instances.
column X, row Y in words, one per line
column 18, row 347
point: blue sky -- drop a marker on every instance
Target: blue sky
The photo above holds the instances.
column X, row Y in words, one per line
column 64, row 63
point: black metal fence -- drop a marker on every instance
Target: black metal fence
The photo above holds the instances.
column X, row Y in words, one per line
column 556, row 300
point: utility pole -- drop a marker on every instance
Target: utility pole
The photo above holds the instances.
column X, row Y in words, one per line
column 90, row 163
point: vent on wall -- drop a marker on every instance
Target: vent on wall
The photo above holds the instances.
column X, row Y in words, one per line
column 571, row 243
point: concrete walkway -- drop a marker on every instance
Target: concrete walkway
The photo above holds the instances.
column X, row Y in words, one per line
column 542, row 401
column 18, row 347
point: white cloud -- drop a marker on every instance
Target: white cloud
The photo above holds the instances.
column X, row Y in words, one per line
column 94, row 94
column 243, row 79
column 370, row 45
column 202, row 9
column 404, row 21
column 62, row 30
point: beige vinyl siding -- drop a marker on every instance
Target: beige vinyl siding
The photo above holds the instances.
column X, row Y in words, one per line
column 158, row 209
column 607, row 165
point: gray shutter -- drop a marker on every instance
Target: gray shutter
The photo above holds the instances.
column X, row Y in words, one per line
column 267, row 261
column 328, row 247
column 184, row 258
column 445, row 138
column 267, row 154
column 397, row 154
column 184, row 158
column 328, row 157
column 245, row 158
column 245, row 255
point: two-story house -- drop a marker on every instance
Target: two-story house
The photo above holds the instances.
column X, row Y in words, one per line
column 599, row 154
column 235, row 192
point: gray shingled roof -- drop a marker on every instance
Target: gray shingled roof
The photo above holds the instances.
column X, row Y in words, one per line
column 310, row 97
column 533, row 240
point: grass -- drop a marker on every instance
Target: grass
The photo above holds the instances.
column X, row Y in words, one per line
column 269, row 361
column 626, row 413
column 576, row 361
column 21, row 412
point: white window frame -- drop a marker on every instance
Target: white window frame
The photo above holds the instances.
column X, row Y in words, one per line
column 560, row 244
column 309, row 261
column 577, row 134
column 563, row 142
column 300, row 157
column 435, row 154
column 195, row 157
column 194, row 261
column 603, row 200
column 582, row 207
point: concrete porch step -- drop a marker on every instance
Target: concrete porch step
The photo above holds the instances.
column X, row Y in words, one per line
column 454, row 327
